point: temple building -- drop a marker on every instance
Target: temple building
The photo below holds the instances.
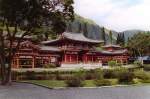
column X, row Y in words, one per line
column 69, row 49
column 113, row 52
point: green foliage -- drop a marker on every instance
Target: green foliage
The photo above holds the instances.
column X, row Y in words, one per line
column 112, row 63
column 31, row 75
column 50, row 66
column 77, row 79
column 146, row 67
column 110, row 73
column 125, row 77
column 121, row 39
column 98, row 73
column 137, row 63
column 102, row 82
column 111, row 37
column 104, row 35
column 139, row 44
column 85, row 30
column 27, row 16
column 140, row 74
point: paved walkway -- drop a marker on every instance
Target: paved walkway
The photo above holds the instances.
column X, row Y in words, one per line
column 28, row 91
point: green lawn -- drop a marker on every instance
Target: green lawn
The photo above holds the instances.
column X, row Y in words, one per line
column 89, row 83
column 56, row 83
column 48, row 83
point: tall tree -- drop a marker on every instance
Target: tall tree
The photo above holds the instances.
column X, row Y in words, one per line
column 103, row 35
column 85, row 30
column 69, row 27
column 111, row 37
column 121, row 39
column 79, row 28
column 24, row 16
column 139, row 44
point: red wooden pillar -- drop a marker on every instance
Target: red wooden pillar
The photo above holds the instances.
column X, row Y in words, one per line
column 77, row 58
column 33, row 62
column 49, row 59
column 70, row 58
column 86, row 58
column 92, row 59
column 65, row 58
column 17, row 62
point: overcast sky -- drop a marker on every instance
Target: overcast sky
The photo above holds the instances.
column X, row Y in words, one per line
column 118, row 15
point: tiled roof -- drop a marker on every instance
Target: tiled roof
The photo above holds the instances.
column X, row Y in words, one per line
column 49, row 48
column 111, row 45
column 79, row 37
column 113, row 52
column 73, row 36
column 25, row 37
column 50, row 41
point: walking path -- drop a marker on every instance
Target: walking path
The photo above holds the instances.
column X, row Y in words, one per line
column 29, row 91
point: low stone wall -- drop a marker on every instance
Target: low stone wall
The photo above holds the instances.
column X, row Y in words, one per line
column 82, row 65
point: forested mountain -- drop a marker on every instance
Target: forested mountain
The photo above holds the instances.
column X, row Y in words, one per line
column 94, row 31
column 130, row 33
column 89, row 28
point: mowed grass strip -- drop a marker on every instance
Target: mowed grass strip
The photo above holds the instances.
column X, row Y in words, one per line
column 48, row 83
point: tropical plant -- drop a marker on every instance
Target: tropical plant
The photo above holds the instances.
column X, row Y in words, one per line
column 139, row 44
column 77, row 79
column 23, row 17
column 112, row 63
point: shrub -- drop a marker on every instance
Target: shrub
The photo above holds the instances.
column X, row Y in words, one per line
column 113, row 73
column 98, row 73
column 112, row 63
column 94, row 74
column 50, row 66
column 31, row 75
column 140, row 74
column 146, row 67
column 110, row 73
column 119, row 64
column 74, row 82
column 102, row 82
column 137, row 63
column 77, row 79
column 125, row 76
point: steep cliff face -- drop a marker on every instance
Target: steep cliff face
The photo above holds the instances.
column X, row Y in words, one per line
column 130, row 33
column 89, row 28
column 94, row 31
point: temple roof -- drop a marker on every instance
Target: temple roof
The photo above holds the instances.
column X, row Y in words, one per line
column 49, row 48
column 25, row 37
column 73, row 36
column 79, row 37
column 113, row 52
column 50, row 41
column 111, row 45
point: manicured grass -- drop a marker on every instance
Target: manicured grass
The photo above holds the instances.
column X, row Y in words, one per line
column 56, row 83
column 89, row 83
column 48, row 83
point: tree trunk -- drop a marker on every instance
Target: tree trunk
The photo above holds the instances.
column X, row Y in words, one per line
column 8, row 76
column 3, row 73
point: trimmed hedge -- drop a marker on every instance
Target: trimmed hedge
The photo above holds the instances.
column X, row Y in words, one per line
column 77, row 79
column 140, row 74
column 102, row 82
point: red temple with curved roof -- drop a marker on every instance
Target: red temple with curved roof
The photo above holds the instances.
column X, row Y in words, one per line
column 69, row 49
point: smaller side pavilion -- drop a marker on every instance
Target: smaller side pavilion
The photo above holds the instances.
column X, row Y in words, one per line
column 113, row 52
column 35, row 56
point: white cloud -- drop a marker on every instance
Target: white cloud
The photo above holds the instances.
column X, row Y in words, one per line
column 116, row 14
